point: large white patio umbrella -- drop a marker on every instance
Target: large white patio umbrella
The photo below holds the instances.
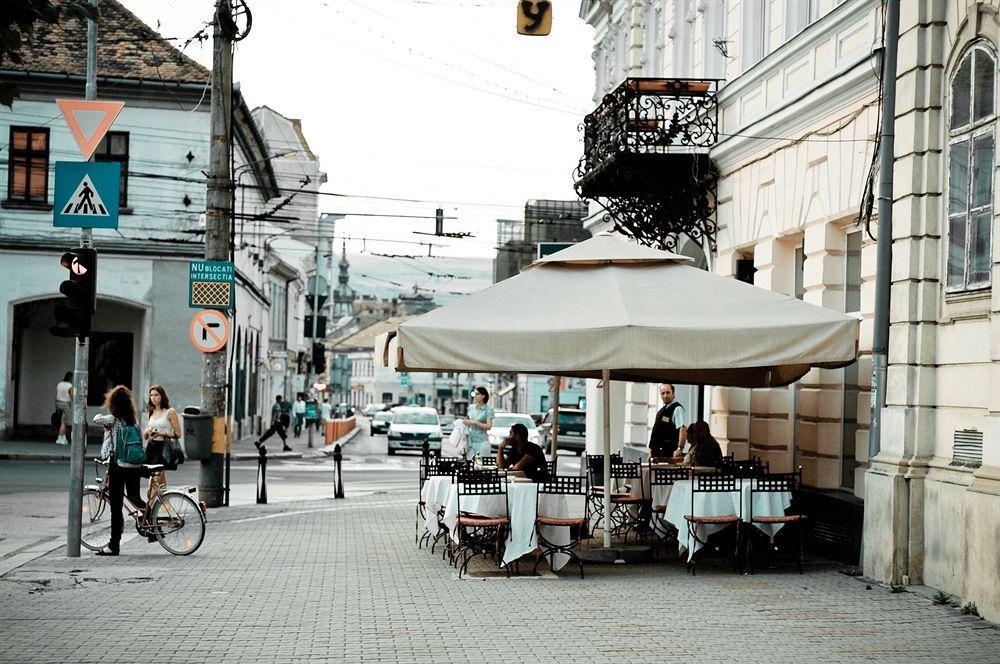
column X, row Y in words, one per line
column 606, row 308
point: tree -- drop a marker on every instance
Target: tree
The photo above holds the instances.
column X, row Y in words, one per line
column 18, row 21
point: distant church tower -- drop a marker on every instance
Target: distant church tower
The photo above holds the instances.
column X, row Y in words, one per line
column 343, row 297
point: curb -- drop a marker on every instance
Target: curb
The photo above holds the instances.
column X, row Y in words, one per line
column 326, row 450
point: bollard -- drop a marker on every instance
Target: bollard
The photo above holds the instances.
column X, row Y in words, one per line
column 338, row 477
column 262, row 476
column 426, row 451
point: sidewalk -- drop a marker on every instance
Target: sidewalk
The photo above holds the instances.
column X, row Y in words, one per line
column 342, row 581
column 41, row 450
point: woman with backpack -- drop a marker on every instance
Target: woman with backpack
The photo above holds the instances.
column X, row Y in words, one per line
column 120, row 436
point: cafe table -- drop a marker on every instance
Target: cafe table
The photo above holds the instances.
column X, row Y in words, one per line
column 721, row 503
column 521, row 497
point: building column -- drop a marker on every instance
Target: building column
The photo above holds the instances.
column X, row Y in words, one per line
column 637, row 407
column 729, row 420
column 770, row 425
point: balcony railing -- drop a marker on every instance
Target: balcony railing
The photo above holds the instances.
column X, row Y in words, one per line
column 646, row 158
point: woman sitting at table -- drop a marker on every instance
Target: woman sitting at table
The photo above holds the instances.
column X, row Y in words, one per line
column 518, row 453
column 705, row 450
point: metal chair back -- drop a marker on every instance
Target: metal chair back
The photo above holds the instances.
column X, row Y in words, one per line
column 668, row 476
column 595, row 467
column 776, row 483
column 481, row 483
column 716, row 483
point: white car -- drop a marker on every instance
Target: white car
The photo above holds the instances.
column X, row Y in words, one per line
column 411, row 426
column 502, row 422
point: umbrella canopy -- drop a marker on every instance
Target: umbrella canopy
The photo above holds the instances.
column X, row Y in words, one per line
column 643, row 314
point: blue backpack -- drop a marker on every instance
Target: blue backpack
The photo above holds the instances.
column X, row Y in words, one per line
column 128, row 445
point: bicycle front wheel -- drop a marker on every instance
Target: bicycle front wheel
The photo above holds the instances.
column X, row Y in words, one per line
column 95, row 520
column 178, row 523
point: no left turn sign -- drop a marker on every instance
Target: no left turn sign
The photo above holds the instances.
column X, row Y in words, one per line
column 209, row 330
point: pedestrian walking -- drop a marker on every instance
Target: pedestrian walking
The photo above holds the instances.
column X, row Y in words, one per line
column 64, row 406
column 276, row 426
column 123, row 478
column 479, row 421
column 299, row 411
column 162, row 426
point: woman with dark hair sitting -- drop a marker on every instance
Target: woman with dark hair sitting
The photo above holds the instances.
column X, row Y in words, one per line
column 122, row 477
column 518, row 453
column 705, row 450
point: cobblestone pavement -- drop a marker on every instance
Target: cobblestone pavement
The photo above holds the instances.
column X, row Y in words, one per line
column 333, row 581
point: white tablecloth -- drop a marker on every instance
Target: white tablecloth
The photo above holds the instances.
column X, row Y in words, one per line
column 678, row 502
column 521, row 497
column 435, row 494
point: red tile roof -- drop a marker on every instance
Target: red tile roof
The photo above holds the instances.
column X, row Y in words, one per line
column 126, row 48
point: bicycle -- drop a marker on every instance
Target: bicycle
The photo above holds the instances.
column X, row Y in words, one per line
column 170, row 516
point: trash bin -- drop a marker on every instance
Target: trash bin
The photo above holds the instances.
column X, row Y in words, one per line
column 197, row 434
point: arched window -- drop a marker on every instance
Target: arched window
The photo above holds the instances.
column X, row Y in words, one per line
column 970, row 169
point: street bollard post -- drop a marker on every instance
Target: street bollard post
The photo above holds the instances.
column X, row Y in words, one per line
column 426, row 451
column 262, row 476
column 338, row 477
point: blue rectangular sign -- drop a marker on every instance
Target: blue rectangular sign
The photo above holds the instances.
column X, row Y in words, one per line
column 86, row 194
column 211, row 284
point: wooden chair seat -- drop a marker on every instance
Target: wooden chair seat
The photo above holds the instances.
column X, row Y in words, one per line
column 626, row 499
column 660, row 508
column 475, row 521
column 726, row 518
column 785, row 518
column 559, row 521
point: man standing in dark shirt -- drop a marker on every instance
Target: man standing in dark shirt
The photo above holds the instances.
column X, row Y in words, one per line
column 518, row 453
column 669, row 433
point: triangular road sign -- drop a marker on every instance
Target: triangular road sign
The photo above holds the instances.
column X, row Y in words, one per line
column 89, row 120
column 85, row 200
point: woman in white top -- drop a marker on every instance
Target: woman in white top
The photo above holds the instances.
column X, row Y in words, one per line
column 162, row 424
column 64, row 405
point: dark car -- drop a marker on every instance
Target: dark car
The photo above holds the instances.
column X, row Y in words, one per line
column 572, row 430
column 381, row 422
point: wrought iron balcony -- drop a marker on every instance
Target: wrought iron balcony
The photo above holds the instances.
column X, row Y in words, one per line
column 646, row 159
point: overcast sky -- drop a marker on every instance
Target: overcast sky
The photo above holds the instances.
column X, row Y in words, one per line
column 437, row 100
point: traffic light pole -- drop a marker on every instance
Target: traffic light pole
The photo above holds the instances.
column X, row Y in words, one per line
column 78, row 447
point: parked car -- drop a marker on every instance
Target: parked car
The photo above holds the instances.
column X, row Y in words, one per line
column 447, row 423
column 502, row 422
column 411, row 426
column 381, row 422
column 572, row 430
column 373, row 408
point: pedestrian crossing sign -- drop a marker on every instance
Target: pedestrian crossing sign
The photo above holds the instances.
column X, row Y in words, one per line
column 86, row 195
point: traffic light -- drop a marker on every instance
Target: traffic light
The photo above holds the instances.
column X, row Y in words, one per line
column 73, row 315
column 319, row 358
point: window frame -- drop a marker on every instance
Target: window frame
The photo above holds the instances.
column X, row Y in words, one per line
column 109, row 158
column 970, row 132
column 28, row 154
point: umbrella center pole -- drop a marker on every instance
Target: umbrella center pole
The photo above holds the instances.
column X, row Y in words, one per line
column 606, row 399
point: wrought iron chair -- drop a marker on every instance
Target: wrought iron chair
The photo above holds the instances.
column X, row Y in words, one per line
column 713, row 483
column 551, row 465
column 744, row 468
column 628, row 514
column 595, row 483
column 437, row 469
column 480, row 534
column 421, row 504
column 778, row 482
column 663, row 532
column 566, row 485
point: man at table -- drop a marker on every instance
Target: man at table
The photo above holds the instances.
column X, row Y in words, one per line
column 518, row 453
column 669, row 433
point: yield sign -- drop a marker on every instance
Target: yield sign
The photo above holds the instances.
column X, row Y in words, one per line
column 209, row 330
column 89, row 120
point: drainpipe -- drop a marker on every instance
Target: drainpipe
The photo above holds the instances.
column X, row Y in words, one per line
column 883, row 269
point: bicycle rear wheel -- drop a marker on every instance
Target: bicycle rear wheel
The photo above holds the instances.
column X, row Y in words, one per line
column 178, row 523
column 95, row 520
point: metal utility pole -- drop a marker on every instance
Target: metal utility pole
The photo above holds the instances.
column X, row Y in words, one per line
column 883, row 266
column 218, row 206
column 314, row 290
column 81, row 360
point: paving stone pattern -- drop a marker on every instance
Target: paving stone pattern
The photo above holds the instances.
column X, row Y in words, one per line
column 342, row 581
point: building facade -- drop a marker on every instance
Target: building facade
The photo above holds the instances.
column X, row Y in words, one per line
column 161, row 140
column 798, row 111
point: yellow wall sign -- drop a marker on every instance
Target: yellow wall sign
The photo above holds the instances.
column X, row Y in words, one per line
column 534, row 17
